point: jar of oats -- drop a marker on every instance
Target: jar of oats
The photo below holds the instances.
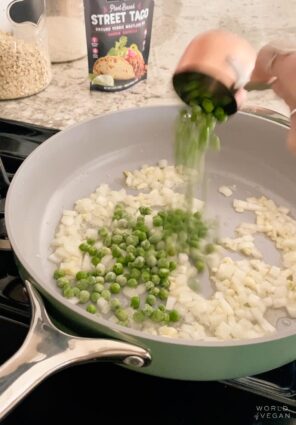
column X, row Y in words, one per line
column 25, row 67
column 66, row 30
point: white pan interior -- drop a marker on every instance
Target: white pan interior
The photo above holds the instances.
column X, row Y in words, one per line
column 73, row 163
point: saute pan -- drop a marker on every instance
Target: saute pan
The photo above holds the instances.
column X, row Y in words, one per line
column 70, row 165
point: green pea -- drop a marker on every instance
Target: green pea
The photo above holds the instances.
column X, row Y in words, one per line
column 145, row 210
column 123, row 223
column 173, row 265
column 68, row 292
column 110, row 277
column 91, row 309
column 139, row 316
column 101, row 270
column 95, row 260
column 154, row 291
column 115, row 304
column 117, row 239
column 155, row 279
column 149, row 285
column 130, row 257
column 135, row 302
column 145, row 276
column 116, row 251
column 84, row 247
column 207, row 105
column 132, row 240
column 135, row 273
column 200, row 266
column 94, row 296
column 145, row 244
column 62, row 282
column 163, row 263
column 104, row 251
column 148, row 310
column 160, row 245
column 163, row 294
column 161, row 254
column 165, row 283
column 58, row 274
column 92, row 251
column 121, row 314
column 154, row 270
column 81, row 275
column 151, row 260
column 107, row 241
column 100, row 279
column 132, row 283
column 139, row 262
column 91, row 280
column 82, row 284
column 171, row 250
column 118, row 268
column 98, row 287
column 121, row 279
column 131, row 249
column 91, row 241
column 163, row 272
column 103, row 232
column 220, row 114
column 140, row 235
column 174, row 316
column 76, row 292
column 157, row 221
column 157, row 316
column 115, row 288
column 151, row 299
column 106, row 294
column 84, row 296
column 155, row 238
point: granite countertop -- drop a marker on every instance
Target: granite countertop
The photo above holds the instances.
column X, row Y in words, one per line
column 67, row 99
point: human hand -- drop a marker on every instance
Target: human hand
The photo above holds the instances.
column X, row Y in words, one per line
column 279, row 68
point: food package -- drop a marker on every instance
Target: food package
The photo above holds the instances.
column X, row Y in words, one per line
column 118, row 42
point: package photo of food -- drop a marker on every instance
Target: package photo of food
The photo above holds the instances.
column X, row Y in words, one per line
column 118, row 42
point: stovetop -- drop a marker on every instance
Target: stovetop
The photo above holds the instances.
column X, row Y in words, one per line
column 107, row 393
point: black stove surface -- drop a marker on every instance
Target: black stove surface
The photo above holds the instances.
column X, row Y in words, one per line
column 107, row 393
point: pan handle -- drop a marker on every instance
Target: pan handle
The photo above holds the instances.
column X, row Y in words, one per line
column 47, row 349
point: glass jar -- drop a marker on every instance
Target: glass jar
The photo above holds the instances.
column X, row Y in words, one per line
column 24, row 60
column 66, row 30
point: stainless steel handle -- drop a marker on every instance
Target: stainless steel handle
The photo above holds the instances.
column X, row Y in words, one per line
column 268, row 114
column 48, row 349
column 263, row 388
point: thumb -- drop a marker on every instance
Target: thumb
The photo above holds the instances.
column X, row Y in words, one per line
column 262, row 71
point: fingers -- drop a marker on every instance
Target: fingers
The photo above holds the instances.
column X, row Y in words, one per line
column 284, row 68
column 263, row 70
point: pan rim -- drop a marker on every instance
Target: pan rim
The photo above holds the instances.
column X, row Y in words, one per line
column 258, row 113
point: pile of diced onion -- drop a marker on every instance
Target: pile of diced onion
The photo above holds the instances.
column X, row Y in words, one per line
column 243, row 289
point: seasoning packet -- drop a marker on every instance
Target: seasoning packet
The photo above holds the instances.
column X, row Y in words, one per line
column 118, row 42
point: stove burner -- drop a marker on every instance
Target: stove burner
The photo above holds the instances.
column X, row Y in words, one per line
column 17, row 141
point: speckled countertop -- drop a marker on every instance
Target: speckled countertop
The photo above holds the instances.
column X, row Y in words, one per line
column 67, row 99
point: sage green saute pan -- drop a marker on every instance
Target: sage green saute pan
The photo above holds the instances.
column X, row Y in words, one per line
column 70, row 165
